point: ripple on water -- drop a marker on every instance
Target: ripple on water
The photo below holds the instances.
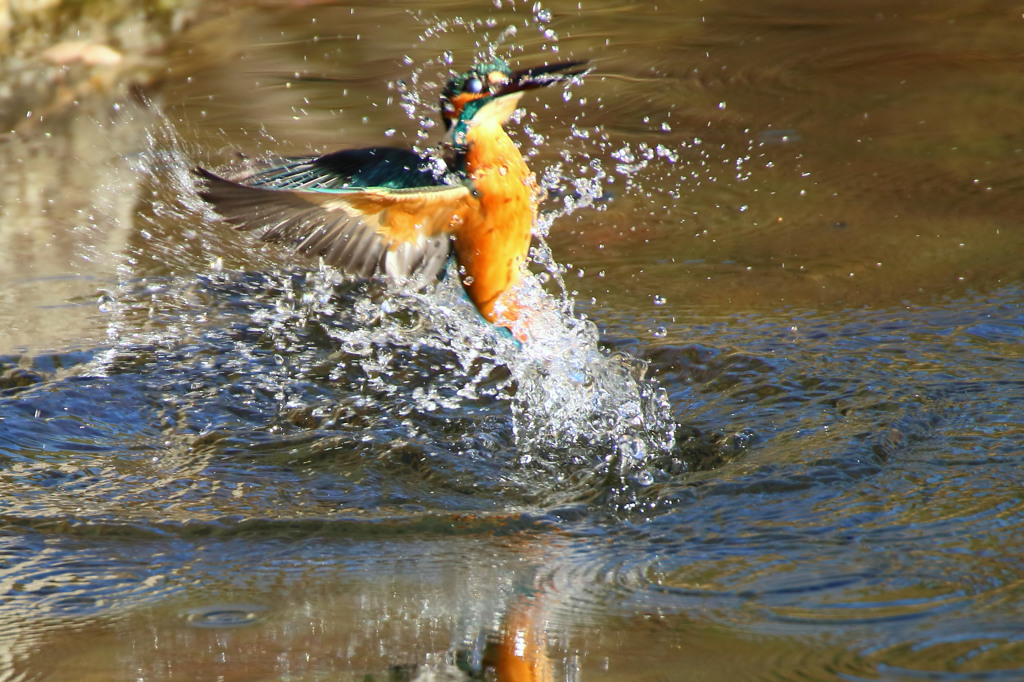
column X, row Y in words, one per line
column 848, row 591
column 882, row 531
column 55, row 582
column 266, row 430
column 220, row 616
column 970, row 654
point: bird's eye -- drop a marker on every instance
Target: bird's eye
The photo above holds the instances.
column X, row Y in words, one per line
column 473, row 85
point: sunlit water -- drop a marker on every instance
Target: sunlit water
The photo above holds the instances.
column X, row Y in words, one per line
column 769, row 426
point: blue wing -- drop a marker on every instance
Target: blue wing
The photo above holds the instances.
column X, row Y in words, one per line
column 385, row 167
column 366, row 211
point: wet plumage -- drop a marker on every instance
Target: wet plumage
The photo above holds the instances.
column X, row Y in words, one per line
column 388, row 211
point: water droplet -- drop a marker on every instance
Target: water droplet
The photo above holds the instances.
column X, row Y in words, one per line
column 644, row 477
column 106, row 303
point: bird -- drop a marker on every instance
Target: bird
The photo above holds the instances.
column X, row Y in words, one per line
column 400, row 214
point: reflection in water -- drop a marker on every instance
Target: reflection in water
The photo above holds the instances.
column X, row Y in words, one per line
column 65, row 228
column 521, row 652
column 766, row 206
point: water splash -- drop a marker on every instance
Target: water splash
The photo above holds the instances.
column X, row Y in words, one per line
column 578, row 414
column 575, row 404
column 570, row 401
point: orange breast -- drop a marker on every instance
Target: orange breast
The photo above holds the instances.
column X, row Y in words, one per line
column 493, row 243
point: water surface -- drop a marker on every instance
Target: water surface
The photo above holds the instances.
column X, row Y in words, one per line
column 216, row 463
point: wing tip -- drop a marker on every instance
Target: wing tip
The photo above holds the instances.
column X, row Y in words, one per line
column 226, row 197
column 339, row 236
column 207, row 182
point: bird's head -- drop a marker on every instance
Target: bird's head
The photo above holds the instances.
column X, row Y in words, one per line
column 492, row 90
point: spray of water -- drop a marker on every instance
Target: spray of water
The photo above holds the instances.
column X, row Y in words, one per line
column 578, row 414
column 571, row 403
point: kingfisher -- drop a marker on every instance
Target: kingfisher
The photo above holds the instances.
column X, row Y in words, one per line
column 401, row 214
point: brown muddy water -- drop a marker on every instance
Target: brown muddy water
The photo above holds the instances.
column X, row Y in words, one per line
column 218, row 463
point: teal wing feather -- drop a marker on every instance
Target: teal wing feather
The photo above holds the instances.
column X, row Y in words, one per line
column 337, row 207
column 370, row 167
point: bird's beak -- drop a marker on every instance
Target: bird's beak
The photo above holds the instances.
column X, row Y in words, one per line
column 505, row 92
column 540, row 76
